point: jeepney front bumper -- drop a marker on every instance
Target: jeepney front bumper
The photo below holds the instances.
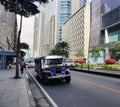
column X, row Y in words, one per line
column 59, row 76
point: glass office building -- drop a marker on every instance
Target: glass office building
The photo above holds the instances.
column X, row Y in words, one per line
column 82, row 2
column 99, row 9
column 105, row 25
column 64, row 14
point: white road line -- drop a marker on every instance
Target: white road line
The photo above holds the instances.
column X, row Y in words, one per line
column 46, row 94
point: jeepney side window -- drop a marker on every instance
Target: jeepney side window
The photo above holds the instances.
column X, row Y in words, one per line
column 53, row 61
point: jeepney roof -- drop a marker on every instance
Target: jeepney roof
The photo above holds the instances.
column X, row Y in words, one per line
column 50, row 57
column 53, row 57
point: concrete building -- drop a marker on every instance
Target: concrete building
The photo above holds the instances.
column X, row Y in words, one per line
column 8, row 28
column 76, row 4
column 76, row 31
column 52, row 32
column 36, row 37
column 46, row 13
column 103, row 19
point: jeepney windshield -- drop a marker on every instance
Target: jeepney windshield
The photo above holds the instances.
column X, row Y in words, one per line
column 53, row 61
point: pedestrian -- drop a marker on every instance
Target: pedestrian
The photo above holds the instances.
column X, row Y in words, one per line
column 9, row 64
column 22, row 65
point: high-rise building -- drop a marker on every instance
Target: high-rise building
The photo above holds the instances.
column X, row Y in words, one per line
column 52, row 32
column 8, row 30
column 76, row 4
column 76, row 31
column 44, row 30
column 99, row 7
column 63, row 12
column 82, row 2
column 105, row 24
column 36, row 37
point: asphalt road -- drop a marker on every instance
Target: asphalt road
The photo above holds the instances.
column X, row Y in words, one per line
column 85, row 90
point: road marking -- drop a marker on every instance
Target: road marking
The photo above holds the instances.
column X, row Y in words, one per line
column 98, row 85
column 26, row 75
column 44, row 92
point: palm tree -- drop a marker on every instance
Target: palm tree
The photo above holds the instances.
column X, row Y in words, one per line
column 24, row 8
column 61, row 48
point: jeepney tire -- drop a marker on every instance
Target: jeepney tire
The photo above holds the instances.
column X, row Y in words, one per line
column 68, row 79
column 73, row 67
column 45, row 79
column 37, row 77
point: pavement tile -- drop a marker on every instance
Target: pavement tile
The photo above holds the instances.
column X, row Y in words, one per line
column 13, row 92
column 11, row 104
column 9, row 99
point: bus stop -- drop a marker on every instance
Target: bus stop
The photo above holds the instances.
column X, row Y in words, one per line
column 5, row 57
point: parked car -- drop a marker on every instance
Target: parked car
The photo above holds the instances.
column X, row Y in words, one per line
column 51, row 67
column 30, row 63
column 69, row 64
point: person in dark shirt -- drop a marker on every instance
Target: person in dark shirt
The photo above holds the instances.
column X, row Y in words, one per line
column 23, row 66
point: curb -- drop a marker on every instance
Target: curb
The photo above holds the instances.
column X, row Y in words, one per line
column 98, row 73
column 30, row 97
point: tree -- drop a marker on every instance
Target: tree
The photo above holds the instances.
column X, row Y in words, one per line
column 95, row 53
column 24, row 8
column 61, row 48
column 79, row 54
column 23, row 46
column 117, row 48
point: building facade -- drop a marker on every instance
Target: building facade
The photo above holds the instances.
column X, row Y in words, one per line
column 8, row 30
column 104, row 24
column 52, row 32
column 63, row 12
column 76, row 31
column 47, row 12
column 110, row 31
column 95, row 23
column 36, row 37
column 76, row 4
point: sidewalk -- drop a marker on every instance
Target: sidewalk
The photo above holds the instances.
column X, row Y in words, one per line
column 13, row 92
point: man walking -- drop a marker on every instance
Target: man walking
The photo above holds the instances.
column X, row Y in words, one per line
column 22, row 66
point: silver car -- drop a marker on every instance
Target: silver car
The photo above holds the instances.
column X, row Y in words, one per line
column 30, row 63
column 69, row 64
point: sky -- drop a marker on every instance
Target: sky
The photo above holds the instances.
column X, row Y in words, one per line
column 27, row 31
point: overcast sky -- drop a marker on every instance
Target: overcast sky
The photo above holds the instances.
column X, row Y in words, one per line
column 27, row 31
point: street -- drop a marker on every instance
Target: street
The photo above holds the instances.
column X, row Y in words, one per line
column 85, row 90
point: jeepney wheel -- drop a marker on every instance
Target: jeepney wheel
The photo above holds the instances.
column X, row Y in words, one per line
column 68, row 79
column 45, row 79
column 37, row 77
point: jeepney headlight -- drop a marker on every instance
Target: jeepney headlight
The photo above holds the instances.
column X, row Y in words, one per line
column 53, row 71
column 63, row 70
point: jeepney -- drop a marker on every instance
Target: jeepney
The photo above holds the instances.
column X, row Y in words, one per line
column 51, row 67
